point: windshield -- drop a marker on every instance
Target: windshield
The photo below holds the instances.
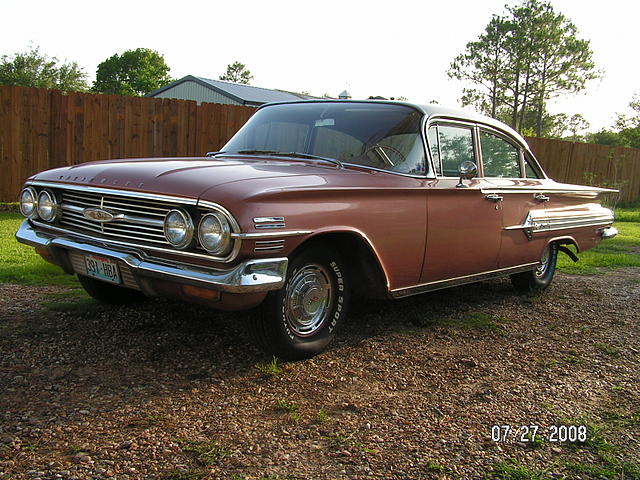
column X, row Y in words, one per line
column 381, row 136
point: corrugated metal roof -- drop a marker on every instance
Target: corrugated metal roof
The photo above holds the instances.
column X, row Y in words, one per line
column 252, row 94
column 244, row 94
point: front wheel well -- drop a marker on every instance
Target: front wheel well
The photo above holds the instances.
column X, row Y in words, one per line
column 361, row 261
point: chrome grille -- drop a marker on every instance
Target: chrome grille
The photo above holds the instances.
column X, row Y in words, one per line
column 138, row 220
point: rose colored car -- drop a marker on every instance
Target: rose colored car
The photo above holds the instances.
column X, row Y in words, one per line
column 308, row 204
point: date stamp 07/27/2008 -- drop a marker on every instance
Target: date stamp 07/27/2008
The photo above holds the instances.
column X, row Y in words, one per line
column 535, row 433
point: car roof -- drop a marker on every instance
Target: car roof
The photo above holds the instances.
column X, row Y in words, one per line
column 429, row 110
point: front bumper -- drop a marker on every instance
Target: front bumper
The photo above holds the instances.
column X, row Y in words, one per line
column 250, row 276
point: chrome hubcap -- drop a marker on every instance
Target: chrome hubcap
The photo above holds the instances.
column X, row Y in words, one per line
column 544, row 262
column 308, row 300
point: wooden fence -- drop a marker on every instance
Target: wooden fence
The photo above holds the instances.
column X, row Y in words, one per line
column 42, row 129
column 587, row 163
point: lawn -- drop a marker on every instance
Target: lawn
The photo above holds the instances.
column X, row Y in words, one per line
column 21, row 265
column 621, row 251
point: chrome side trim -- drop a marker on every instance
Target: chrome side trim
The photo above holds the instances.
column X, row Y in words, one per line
column 562, row 219
column 453, row 282
column 114, row 191
column 279, row 234
column 251, row 276
column 590, row 192
column 265, row 245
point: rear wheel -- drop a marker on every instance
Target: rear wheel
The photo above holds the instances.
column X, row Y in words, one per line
column 107, row 293
column 300, row 320
column 541, row 277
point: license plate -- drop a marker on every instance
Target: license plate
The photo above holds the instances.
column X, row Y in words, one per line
column 102, row 268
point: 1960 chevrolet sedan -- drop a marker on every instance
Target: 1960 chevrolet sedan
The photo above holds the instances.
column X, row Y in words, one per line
column 309, row 203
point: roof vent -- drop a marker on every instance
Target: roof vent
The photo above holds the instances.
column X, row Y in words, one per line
column 344, row 95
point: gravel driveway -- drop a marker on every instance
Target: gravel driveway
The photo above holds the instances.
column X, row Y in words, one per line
column 411, row 388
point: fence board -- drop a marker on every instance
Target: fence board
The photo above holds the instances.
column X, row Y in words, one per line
column 42, row 129
column 575, row 162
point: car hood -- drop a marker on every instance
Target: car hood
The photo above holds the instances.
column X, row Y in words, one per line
column 185, row 177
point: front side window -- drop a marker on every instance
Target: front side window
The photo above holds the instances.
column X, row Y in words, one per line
column 456, row 146
column 383, row 136
column 499, row 157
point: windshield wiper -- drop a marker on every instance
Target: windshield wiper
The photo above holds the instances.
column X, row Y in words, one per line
column 292, row 154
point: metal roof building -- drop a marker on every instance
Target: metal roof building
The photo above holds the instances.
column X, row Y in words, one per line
column 216, row 91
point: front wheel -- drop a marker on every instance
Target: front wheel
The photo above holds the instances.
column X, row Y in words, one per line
column 300, row 320
column 541, row 277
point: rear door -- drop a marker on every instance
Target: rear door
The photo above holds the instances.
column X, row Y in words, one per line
column 513, row 179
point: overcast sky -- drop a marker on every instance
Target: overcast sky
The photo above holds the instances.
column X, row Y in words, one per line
column 392, row 48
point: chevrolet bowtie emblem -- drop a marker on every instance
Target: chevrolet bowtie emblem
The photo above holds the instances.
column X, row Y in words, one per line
column 98, row 215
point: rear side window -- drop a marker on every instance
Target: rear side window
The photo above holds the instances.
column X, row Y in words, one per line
column 530, row 170
column 499, row 157
column 456, row 146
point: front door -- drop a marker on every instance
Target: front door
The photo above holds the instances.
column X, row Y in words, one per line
column 464, row 225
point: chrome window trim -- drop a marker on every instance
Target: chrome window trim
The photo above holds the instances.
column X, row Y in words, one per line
column 437, row 121
column 508, row 139
column 444, row 119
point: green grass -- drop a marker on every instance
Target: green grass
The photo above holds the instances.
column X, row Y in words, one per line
column 271, row 369
column 620, row 251
column 476, row 321
column 206, row 453
column 285, row 406
column 627, row 214
column 188, row 475
column 515, row 471
column 20, row 263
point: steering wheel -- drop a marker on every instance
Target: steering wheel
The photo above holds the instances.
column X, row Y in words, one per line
column 379, row 150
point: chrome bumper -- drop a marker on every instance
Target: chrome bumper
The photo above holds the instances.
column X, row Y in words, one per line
column 609, row 232
column 251, row 276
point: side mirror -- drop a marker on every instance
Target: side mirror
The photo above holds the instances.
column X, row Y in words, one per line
column 467, row 171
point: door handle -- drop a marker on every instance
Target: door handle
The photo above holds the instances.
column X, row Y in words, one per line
column 492, row 197
column 540, row 197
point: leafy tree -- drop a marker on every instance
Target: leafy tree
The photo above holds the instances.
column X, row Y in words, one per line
column 522, row 60
column 135, row 72
column 625, row 132
column 33, row 69
column 237, row 72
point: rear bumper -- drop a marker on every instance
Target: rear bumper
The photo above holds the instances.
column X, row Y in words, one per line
column 249, row 277
column 608, row 232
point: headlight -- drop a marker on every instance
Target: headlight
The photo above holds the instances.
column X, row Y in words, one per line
column 214, row 233
column 28, row 202
column 178, row 228
column 47, row 206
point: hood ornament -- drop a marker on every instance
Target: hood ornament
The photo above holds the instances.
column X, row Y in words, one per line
column 100, row 215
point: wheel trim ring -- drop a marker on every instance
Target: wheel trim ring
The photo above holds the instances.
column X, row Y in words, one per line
column 545, row 260
column 308, row 300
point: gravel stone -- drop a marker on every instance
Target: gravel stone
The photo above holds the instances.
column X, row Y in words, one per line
column 408, row 390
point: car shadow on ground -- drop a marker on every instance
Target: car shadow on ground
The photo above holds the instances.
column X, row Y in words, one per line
column 124, row 355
